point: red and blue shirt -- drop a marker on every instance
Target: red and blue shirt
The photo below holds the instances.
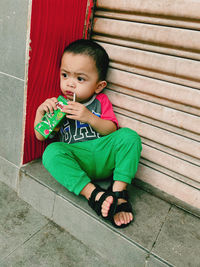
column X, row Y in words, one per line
column 73, row 131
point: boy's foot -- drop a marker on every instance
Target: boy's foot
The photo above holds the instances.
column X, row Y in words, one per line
column 102, row 202
column 87, row 191
column 122, row 218
column 124, row 214
column 110, row 205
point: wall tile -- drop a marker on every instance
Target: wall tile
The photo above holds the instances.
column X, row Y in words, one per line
column 13, row 31
column 12, row 98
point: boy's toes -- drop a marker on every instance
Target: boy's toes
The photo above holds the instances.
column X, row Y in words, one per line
column 118, row 219
column 123, row 218
column 106, row 206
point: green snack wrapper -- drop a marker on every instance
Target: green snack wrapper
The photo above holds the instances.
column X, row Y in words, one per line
column 51, row 121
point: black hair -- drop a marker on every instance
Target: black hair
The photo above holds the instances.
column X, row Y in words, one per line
column 94, row 50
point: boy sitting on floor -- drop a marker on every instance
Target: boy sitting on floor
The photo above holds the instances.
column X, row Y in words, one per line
column 90, row 144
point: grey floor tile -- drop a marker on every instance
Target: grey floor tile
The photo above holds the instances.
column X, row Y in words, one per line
column 18, row 221
column 177, row 244
column 53, row 246
column 36, row 170
column 97, row 235
column 37, row 195
column 149, row 210
column 179, row 240
column 8, row 173
column 154, row 261
column 149, row 213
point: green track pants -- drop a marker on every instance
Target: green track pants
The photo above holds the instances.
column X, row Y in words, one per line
column 76, row 165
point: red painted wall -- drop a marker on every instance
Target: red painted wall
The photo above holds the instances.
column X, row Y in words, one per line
column 54, row 24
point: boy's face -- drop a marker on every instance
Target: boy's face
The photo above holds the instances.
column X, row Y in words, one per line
column 78, row 74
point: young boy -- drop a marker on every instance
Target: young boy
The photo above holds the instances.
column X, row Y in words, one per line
column 91, row 145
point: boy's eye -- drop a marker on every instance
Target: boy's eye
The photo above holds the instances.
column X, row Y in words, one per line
column 80, row 79
column 64, row 75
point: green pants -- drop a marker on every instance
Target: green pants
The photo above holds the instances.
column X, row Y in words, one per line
column 76, row 165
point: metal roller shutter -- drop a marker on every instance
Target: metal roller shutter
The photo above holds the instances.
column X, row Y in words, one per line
column 154, row 82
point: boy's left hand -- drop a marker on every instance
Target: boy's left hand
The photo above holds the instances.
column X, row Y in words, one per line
column 77, row 111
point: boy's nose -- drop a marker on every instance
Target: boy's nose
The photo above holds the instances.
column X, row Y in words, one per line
column 71, row 83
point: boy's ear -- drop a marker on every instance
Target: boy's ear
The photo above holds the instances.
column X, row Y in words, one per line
column 101, row 85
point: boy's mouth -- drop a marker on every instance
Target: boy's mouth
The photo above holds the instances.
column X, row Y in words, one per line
column 69, row 93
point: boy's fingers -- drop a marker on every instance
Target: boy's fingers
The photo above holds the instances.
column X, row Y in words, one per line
column 70, row 112
column 53, row 103
column 73, row 104
column 68, row 108
column 71, row 116
column 47, row 109
column 54, row 99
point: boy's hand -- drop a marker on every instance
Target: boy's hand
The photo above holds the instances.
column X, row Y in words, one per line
column 77, row 111
column 48, row 106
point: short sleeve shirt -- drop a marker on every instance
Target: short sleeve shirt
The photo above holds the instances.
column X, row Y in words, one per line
column 73, row 131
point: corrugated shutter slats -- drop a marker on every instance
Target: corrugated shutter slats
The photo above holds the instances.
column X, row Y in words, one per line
column 154, row 82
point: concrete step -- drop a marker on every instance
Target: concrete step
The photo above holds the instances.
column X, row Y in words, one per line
column 161, row 235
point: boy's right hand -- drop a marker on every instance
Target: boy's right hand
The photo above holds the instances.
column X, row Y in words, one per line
column 48, row 106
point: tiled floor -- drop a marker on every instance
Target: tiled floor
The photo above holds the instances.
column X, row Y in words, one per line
column 161, row 235
column 29, row 239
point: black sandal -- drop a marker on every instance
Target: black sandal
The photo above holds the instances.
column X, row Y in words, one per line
column 125, row 207
column 96, row 204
